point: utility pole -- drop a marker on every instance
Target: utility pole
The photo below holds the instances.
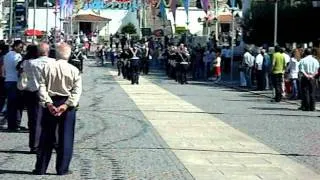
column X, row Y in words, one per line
column 275, row 23
column 47, row 19
column 232, row 46
column 11, row 20
column 34, row 20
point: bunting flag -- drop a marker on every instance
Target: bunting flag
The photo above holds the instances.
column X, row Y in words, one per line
column 62, row 4
column 162, row 9
column 69, row 8
column 173, row 7
column 186, row 4
column 205, row 5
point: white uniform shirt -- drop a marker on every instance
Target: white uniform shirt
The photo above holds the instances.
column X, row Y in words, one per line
column 259, row 62
column 33, row 69
column 60, row 78
column 309, row 65
column 10, row 62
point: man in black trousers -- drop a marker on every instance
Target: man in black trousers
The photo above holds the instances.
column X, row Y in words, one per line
column 59, row 92
column 309, row 68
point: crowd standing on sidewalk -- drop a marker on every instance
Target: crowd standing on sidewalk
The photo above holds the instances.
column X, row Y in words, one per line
column 260, row 68
column 50, row 90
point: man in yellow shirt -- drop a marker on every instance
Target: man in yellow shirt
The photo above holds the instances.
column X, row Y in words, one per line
column 278, row 68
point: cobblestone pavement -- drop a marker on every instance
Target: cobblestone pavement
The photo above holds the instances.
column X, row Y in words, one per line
column 113, row 140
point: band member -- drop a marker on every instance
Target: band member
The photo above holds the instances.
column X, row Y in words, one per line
column 183, row 63
column 135, row 64
column 59, row 92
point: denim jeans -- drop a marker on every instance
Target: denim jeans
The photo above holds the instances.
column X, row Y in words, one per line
column 294, row 84
column 248, row 72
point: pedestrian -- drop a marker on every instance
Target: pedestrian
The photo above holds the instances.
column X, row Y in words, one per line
column 248, row 62
column 37, row 58
column 60, row 90
column 266, row 67
column 4, row 49
column 217, row 65
column 259, row 70
column 309, row 67
column 278, row 69
column 293, row 72
column 10, row 62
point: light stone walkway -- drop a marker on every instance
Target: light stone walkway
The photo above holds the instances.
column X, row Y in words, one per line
column 208, row 147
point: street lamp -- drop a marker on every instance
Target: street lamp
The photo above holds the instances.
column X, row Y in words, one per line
column 275, row 23
column 232, row 41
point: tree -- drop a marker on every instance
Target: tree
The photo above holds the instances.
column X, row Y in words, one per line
column 295, row 23
column 129, row 29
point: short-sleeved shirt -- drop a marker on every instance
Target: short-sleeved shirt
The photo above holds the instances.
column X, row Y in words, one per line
column 10, row 62
column 279, row 63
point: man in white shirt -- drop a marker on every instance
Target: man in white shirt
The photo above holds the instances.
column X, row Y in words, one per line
column 60, row 90
column 33, row 69
column 259, row 72
column 286, row 56
column 309, row 67
column 293, row 71
column 248, row 64
column 10, row 62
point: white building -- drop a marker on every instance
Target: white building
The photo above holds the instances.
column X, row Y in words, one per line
column 118, row 18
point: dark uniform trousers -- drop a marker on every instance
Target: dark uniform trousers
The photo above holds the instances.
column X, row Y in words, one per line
column 34, row 117
column 308, row 88
column 58, row 133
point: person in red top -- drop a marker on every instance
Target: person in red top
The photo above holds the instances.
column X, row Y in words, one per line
column 217, row 65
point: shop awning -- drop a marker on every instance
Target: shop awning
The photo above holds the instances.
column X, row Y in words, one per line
column 90, row 18
column 225, row 19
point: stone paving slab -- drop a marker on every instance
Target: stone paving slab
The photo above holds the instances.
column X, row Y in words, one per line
column 208, row 147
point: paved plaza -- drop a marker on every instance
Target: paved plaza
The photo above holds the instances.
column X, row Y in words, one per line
column 162, row 130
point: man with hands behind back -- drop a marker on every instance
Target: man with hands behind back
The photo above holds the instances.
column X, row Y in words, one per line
column 59, row 92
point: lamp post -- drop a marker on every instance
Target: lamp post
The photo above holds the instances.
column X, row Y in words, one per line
column 47, row 19
column 34, row 20
column 275, row 23
column 232, row 42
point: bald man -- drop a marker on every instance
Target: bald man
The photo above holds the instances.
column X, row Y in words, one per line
column 33, row 69
column 59, row 92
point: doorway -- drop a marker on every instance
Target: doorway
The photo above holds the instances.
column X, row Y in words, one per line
column 85, row 27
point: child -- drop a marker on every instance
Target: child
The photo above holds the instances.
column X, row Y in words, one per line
column 217, row 65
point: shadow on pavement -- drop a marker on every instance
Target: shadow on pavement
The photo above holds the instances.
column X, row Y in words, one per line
column 243, row 100
column 6, row 171
column 274, row 108
column 291, row 115
column 14, row 152
column 8, row 131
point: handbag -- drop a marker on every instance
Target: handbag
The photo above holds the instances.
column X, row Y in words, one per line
column 23, row 81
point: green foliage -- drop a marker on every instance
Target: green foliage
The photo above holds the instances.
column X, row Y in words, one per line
column 295, row 24
column 129, row 29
